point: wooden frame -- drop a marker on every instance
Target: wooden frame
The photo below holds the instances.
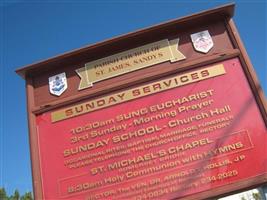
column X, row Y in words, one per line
column 33, row 140
column 224, row 13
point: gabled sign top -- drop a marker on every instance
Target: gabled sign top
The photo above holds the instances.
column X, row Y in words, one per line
column 222, row 12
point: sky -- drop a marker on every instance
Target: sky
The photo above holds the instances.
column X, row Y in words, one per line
column 31, row 31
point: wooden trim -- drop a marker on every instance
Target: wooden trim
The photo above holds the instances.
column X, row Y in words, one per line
column 33, row 140
column 248, row 69
column 136, row 80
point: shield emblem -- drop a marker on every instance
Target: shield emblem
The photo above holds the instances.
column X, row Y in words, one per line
column 202, row 41
column 58, row 84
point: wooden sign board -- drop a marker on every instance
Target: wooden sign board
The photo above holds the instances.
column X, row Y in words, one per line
column 173, row 111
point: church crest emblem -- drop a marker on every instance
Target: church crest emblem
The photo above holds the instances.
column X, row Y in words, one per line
column 202, row 41
column 58, row 84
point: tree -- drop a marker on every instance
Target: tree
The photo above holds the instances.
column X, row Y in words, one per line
column 3, row 195
column 15, row 196
column 27, row 196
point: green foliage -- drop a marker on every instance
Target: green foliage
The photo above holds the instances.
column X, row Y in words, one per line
column 15, row 196
column 27, row 196
column 3, row 195
column 256, row 196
